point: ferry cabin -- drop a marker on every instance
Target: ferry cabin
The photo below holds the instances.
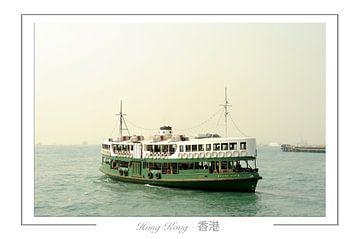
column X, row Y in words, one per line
column 170, row 157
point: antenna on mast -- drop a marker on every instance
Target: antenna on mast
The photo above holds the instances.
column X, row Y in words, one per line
column 121, row 119
column 226, row 105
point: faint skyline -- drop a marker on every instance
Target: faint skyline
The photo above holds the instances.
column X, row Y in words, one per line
column 175, row 74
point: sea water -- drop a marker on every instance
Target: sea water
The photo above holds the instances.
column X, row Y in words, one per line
column 68, row 183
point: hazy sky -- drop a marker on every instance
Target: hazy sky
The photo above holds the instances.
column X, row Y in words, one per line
column 175, row 74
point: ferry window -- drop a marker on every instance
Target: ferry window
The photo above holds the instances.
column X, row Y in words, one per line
column 224, row 146
column 208, row 147
column 156, row 148
column 187, row 148
column 165, row 148
column 200, row 147
column 172, row 148
column 233, row 146
column 243, row 145
column 216, row 147
column 194, row 147
column 181, row 148
column 131, row 147
column 148, row 148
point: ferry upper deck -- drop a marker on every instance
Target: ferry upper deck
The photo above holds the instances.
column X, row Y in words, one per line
column 165, row 145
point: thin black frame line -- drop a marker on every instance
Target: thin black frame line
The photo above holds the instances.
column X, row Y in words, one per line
column 337, row 138
column 317, row 224
column 34, row 75
column 337, row 94
column 21, row 120
column 57, row 224
column 330, row 14
column 180, row 14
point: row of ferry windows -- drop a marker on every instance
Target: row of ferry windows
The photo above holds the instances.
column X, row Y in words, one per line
column 215, row 147
column 161, row 148
column 183, row 148
column 123, row 147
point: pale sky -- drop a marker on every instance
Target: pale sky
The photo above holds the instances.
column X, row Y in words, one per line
column 175, row 74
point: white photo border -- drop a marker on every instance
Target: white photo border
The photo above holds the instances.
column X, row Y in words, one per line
column 28, row 25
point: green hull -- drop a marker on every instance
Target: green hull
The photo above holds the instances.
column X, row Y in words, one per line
column 241, row 181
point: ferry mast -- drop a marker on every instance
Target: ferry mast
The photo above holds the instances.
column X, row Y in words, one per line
column 121, row 119
column 226, row 112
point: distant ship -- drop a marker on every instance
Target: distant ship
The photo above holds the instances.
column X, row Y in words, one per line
column 207, row 161
column 303, row 148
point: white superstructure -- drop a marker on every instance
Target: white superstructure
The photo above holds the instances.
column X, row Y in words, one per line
column 165, row 145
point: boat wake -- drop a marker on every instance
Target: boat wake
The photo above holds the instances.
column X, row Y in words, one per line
column 154, row 186
column 151, row 186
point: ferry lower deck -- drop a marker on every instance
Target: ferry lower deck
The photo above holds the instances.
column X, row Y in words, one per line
column 229, row 174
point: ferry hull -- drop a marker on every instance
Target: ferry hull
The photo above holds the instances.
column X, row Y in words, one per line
column 241, row 184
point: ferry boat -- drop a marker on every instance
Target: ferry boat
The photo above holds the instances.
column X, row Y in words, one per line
column 206, row 161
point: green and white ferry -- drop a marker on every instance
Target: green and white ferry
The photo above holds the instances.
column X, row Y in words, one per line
column 206, row 161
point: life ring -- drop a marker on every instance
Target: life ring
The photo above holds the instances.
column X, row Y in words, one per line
column 221, row 154
column 236, row 154
column 201, row 155
column 208, row 154
column 214, row 154
column 186, row 156
column 150, row 175
column 121, row 172
column 228, row 154
column 158, row 175
column 195, row 155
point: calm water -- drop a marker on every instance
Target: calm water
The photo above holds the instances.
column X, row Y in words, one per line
column 68, row 183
